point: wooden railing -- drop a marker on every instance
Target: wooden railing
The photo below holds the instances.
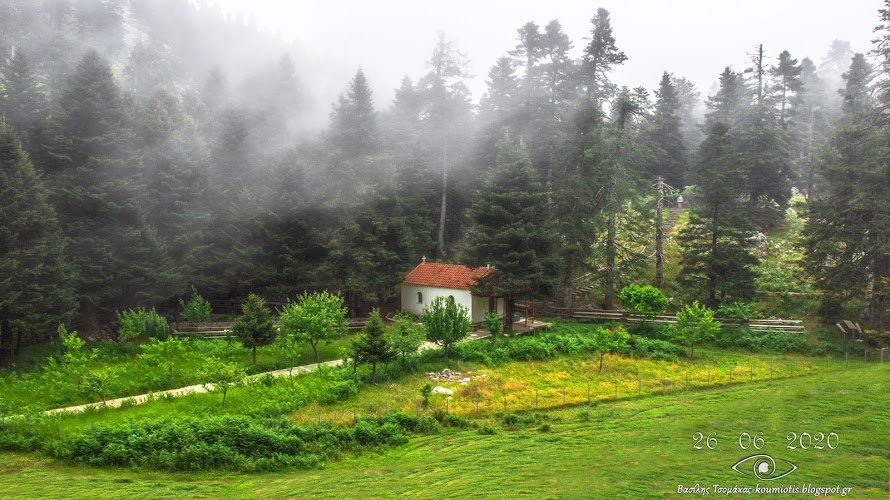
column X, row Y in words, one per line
column 790, row 325
column 223, row 329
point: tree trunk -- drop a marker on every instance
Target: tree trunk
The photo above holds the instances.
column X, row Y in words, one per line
column 225, row 391
column 609, row 294
column 7, row 347
column 568, row 282
column 659, row 235
column 602, row 355
column 254, row 355
column 878, row 301
column 509, row 310
column 444, row 207
column 373, row 373
column 315, row 350
column 17, row 350
column 712, row 276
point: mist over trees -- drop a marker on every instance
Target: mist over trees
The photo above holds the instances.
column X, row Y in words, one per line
column 138, row 163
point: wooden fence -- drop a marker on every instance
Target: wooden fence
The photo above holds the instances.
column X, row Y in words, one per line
column 760, row 325
column 223, row 329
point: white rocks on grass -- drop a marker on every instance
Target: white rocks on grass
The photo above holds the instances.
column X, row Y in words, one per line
column 443, row 390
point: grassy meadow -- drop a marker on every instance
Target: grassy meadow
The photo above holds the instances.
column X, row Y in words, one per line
column 632, row 448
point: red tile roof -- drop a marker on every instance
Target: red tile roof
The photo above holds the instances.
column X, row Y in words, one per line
column 445, row 275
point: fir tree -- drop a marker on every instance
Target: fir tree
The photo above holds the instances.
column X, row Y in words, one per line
column 510, row 230
column 499, row 102
column 527, row 53
column 23, row 103
column 372, row 346
column 254, row 327
column 600, row 56
column 764, row 148
column 809, row 130
column 728, row 105
column 665, row 134
column 557, row 69
column 690, row 117
column 99, row 196
column 856, row 92
column 36, row 278
column 354, row 129
column 717, row 259
column 445, row 118
column 786, row 84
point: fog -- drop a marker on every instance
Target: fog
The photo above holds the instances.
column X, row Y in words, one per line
column 695, row 39
column 251, row 153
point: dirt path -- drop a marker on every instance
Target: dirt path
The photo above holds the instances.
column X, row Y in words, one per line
column 185, row 391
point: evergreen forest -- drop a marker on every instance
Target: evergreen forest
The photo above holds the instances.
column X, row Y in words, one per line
column 139, row 164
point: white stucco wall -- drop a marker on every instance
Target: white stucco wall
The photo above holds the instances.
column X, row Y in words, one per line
column 476, row 305
column 480, row 306
column 409, row 297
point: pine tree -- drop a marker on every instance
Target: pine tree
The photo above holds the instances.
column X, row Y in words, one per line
column 848, row 229
column 36, row 278
column 497, row 105
column 665, row 133
column 856, row 92
column 446, row 117
column 717, row 259
column 600, row 56
column 510, row 230
column 764, row 148
column 577, row 199
column 728, row 105
column 557, row 70
column 786, row 83
column 371, row 346
column 354, row 129
column 810, row 128
column 690, row 118
column 401, row 125
column 23, row 103
column 98, row 193
column 527, row 53
column 254, row 327
column 831, row 69
column 621, row 170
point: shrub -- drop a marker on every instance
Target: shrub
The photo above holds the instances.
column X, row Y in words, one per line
column 654, row 348
column 644, row 301
column 134, row 323
column 769, row 341
column 485, row 430
column 738, row 310
column 451, row 420
column 196, row 309
column 425, row 392
column 224, row 442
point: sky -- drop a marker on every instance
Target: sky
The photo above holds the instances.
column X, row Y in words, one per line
column 695, row 39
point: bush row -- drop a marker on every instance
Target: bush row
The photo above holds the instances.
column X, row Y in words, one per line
column 237, row 443
column 549, row 345
column 776, row 341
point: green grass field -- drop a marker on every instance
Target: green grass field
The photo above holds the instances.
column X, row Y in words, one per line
column 21, row 385
column 633, row 448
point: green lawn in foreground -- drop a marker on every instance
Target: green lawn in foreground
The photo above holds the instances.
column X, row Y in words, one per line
column 639, row 448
